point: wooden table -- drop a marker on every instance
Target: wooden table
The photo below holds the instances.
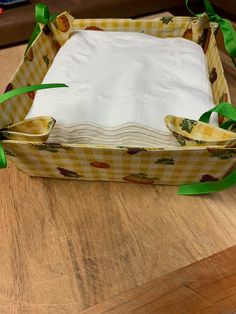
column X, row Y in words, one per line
column 87, row 247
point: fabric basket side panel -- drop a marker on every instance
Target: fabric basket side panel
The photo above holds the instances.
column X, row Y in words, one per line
column 128, row 165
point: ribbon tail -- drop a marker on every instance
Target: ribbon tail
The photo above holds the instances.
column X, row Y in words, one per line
column 227, row 110
column 229, row 35
column 42, row 16
column 30, row 88
column 3, row 160
column 208, row 187
column 209, row 7
column 33, row 36
column 188, row 8
column 16, row 92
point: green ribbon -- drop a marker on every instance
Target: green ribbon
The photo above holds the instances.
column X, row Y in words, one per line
column 26, row 89
column 225, row 109
column 208, row 187
column 3, row 160
column 42, row 16
column 18, row 91
column 229, row 111
column 229, row 34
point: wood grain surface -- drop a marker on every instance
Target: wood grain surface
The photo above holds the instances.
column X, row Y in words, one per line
column 66, row 246
column 205, row 287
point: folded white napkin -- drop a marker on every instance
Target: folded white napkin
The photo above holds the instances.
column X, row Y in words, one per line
column 128, row 135
column 116, row 78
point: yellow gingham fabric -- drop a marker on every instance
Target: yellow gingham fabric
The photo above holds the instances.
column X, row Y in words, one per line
column 31, row 71
column 34, row 129
column 196, row 133
column 126, row 164
column 90, row 162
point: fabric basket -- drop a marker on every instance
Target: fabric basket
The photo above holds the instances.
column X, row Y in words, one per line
column 206, row 153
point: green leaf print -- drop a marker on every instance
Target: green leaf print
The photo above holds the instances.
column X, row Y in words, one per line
column 187, row 125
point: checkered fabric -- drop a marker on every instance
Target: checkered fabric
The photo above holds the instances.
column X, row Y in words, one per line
column 195, row 133
column 35, row 130
column 193, row 162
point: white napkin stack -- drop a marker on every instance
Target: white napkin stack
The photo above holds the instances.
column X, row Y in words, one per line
column 121, row 86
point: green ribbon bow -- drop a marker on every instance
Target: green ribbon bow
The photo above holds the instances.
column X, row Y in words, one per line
column 229, row 111
column 42, row 16
column 16, row 92
column 225, row 109
column 229, row 34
